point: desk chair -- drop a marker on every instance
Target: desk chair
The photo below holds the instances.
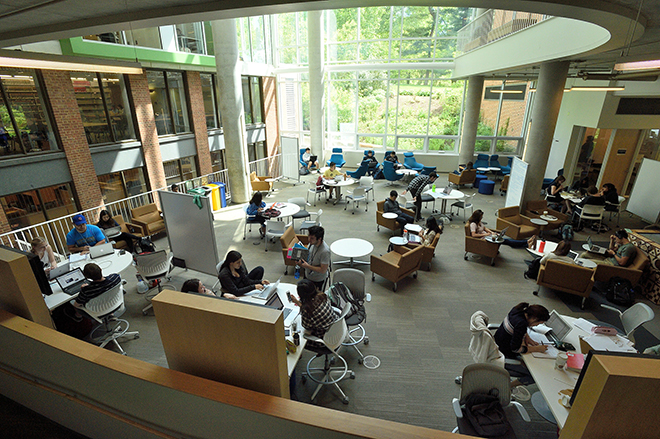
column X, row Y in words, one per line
column 368, row 184
column 302, row 213
column 249, row 220
column 483, row 378
column 356, row 196
column 274, row 229
column 633, row 317
column 316, row 190
column 465, row 204
column 615, row 209
column 332, row 341
column 104, row 309
column 355, row 282
column 217, row 273
column 308, row 223
column 591, row 213
column 154, row 266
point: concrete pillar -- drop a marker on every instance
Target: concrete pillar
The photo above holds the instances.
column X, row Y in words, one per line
column 230, row 94
column 549, row 92
column 316, row 131
column 471, row 118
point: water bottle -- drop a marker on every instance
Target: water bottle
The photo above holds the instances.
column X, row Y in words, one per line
column 433, row 187
column 297, row 273
column 142, row 286
column 541, row 246
column 296, row 339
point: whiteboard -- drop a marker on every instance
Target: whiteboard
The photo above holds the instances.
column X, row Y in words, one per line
column 516, row 183
column 644, row 201
column 190, row 231
column 290, row 157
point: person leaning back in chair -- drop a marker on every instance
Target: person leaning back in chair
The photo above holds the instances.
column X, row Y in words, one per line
column 98, row 285
column 392, row 206
column 83, row 236
column 620, row 252
column 416, row 187
column 307, row 158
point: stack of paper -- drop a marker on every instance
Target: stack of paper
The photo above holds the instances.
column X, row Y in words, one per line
column 612, row 343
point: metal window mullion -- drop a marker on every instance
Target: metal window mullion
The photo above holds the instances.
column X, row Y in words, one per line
column 105, row 107
column 493, row 145
column 17, row 132
column 123, row 183
column 428, row 115
column 459, row 135
column 169, row 100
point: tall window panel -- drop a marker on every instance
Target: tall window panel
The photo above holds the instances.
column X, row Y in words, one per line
column 252, row 99
column 168, row 99
column 24, row 124
column 177, row 93
column 179, row 170
column 36, row 206
column 218, row 160
column 210, row 102
column 247, row 102
column 190, row 37
column 123, row 184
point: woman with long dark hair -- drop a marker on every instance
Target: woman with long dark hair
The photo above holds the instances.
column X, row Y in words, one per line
column 106, row 221
column 316, row 312
column 235, row 279
column 511, row 337
column 479, row 230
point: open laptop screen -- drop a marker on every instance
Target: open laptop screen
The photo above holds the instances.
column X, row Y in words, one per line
column 559, row 326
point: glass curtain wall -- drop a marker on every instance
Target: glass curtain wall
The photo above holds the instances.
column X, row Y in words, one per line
column 36, row 206
column 179, row 170
column 168, row 99
column 123, row 184
column 211, row 109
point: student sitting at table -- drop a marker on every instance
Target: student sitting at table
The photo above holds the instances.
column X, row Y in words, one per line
column 478, row 230
column 554, row 190
column 255, row 209
column 99, row 284
column 593, row 198
column 106, row 221
column 316, row 312
column 394, row 159
column 41, row 248
column 560, row 253
column 83, row 236
column 235, row 279
column 330, row 174
column 196, row 286
column 392, row 206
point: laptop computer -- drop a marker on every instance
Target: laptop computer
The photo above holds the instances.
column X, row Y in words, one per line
column 339, row 178
column 559, row 331
column 62, row 267
column 447, row 190
column 101, row 250
column 111, row 232
column 501, row 234
column 312, row 158
column 595, row 248
column 267, row 291
column 289, row 312
column 71, row 282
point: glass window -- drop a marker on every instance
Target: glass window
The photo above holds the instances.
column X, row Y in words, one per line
column 160, row 102
column 118, row 105
column 24, row 124
column 148, row 37
column 208, row 94
column 168, row 99
column 256, row 99
column 188, row 168
column 178, row 101
column 179, row 170
column 36, row 206
column 218, row 160
column 190, row 37
column 247, row 102
column 123, row 184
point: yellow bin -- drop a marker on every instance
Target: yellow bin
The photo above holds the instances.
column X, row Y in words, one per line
column 215, row 195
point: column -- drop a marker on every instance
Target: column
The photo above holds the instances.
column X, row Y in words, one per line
column 268, row 86
column 549, row 92
column 198, row 119
column 471, row 118
column 230, row 94
column 315, row 53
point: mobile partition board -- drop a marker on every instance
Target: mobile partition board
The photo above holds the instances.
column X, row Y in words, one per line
column 190, row 230
column 290, row 158
column 516, row 183
column 644, row 201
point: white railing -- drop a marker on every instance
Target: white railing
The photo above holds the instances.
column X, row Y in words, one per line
column 493, row 25
column 54, row 231
column 270, row 166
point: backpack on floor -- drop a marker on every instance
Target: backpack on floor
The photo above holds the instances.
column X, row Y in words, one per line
column 620, row 291
column 533, row 270
column 486, row 415
column 566, row 232
column 303, row 170
column 144, row 245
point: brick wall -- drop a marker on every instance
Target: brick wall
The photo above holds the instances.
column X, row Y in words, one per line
column 198, row 120
column 146, row 126
column 4, row 222
column 268, row 84
column 66, row 115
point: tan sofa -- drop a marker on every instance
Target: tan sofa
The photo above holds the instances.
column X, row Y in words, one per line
column 541, row 206
column 466, row 177
column 259, row 183
column 391, row 224
column 288, row 240
column 633, row 272
column 567, row 277
column 149, row 218
column 480, row 246
column 397, row 264
column 519, row 225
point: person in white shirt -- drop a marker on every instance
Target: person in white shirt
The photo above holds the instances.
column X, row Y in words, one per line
column 307, row 158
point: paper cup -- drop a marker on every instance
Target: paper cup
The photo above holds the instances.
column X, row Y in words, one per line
column 561, row 360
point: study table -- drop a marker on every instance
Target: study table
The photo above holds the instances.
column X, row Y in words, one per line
column 286, row 209
column 338, row 185
column 439, row 194
column 113, row 263
column 351, row 248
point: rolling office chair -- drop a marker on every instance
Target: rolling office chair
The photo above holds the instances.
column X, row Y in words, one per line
column 633, row 317
column 249, row 220
column 356, row 283
column 309, row 223
column 302, row 213
column 105, row 309
column 332, row 341
column 274, row 229
column 154, row 266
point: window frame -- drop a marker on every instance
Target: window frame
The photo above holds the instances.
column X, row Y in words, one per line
column 186, row 99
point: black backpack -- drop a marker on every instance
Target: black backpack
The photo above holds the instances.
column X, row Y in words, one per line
column 533, row 270
column 145, row 245
column 339, row 295
column 486, row 415
column 304, row 170
column 620, row 291
column 566, row 232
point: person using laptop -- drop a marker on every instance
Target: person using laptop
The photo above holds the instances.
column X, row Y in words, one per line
column 394, row 159
column 331, row 174
column 478, row 230
column 255, row 209
column 560, row 254
column 98, row 285
column 593, row 198
column 392, row 206
column 620, row 252
column 41, row 248
column 196, row 286
column 416, row 187
column 427, row 233
column 106, row 222
column 316, row 312
column 235, row 279
column 83, row 236
column 318, row 257
column 307, row 158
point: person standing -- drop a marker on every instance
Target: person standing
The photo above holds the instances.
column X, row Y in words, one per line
column 416, row 187
column 318, row 259
column 585, row 152
column 83, row 236
column 392, row 206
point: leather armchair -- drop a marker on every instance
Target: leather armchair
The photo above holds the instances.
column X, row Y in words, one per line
column 397, row 264
column 391, row 224
column 149, row 218
column 466, row 177
column 632, row 272
column 429, row 251
column 131, row 228
column 566, row 277
column 259, row 183
column 480, row 246
column 519, row 225
column 288, row 240
column 540, row 206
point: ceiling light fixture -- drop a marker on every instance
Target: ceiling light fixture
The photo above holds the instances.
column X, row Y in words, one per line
column 507, row 91
column 638, row 65
column 596, row 88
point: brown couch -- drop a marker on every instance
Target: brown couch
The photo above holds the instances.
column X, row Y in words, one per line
column 466, row 177
column 149, row 218
column 429, row 251
column 131, row 228
column 632, row 272
column 391, row 224
column 480, row 246
column 397, row 264
column 566, row 277
column 519, row 225
column 288, row 240
column 259, row 183
column 541, row 206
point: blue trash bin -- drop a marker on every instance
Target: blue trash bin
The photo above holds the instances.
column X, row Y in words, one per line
column 223, row 193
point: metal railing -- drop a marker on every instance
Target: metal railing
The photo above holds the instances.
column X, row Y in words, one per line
column 54, row 231
column 493, row 25
column 270, row 166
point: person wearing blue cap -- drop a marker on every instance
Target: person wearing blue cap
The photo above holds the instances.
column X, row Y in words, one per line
column 83, row 236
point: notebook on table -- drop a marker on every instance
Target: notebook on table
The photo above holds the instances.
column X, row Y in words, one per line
column 289, row 312
column 71, row 282
column 595, row 248
column 111, row 232
column 101, row 250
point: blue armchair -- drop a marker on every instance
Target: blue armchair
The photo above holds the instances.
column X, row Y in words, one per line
column 410, row 162
column 389, row 172
column 426, row 170
column 302, row 151
column 337, row 157
column 359, row 172
column 482, row 162
column 506, row 170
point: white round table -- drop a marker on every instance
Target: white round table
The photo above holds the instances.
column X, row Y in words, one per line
column 549, row 218
column 390, row 215
column 483, row 169
column 286, row 209
column 398, row 240
column 415, row 228
column 351, row 248
column 455, row 194
column 338, row 184
column 539, row 222
column 112, row 263
column 586, row 263
column 406, row 172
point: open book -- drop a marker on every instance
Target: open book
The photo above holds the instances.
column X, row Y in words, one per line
column 298, row 251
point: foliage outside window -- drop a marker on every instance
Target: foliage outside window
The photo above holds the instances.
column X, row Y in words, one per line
column 104, row 106
column 179, row 170
column 168, row 99
column 36, row 206
column 254, row 38
column 209, row 88
column 190, row 37
column 123, row 184
column 24, row 124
